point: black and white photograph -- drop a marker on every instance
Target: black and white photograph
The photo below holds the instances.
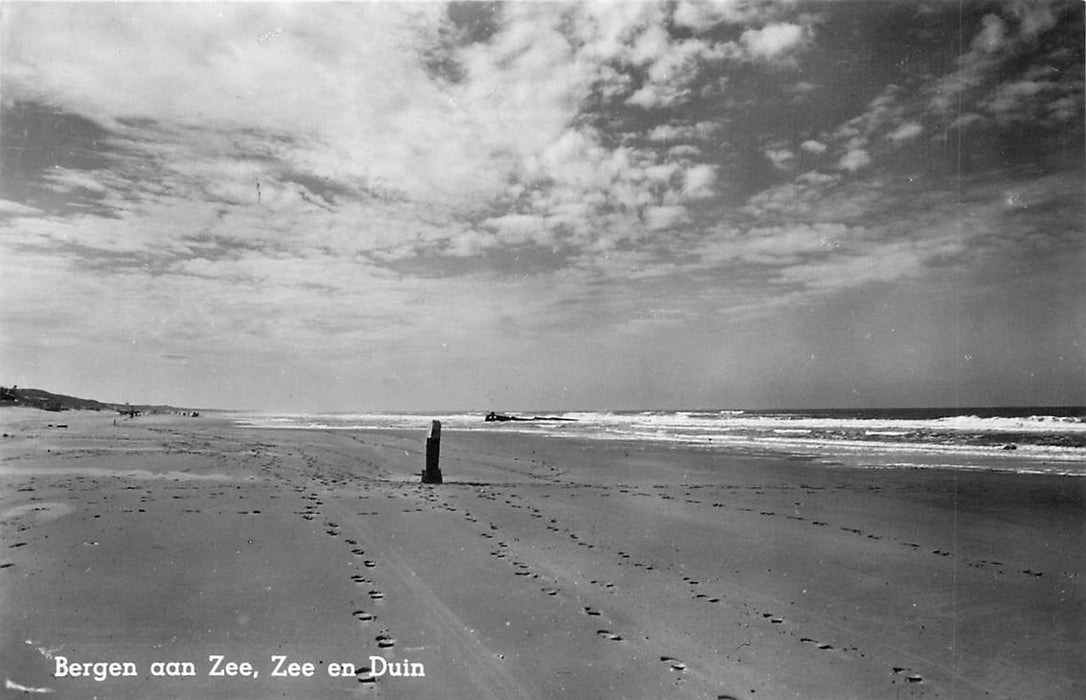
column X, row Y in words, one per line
column 602, row 349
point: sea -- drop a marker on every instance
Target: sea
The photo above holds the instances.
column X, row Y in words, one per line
column 1037, row 440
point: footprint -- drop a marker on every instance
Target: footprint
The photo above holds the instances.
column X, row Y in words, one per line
column 376, row 595
column 910, row 677
column 550, row 591
column 673, row 663
column 591, row 611
column 369, row 564
column 384, row 641
column 363, row 616
column 608, row 634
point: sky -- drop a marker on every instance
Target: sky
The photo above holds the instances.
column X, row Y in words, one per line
column 538, row 205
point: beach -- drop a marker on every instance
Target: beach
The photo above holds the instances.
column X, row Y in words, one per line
column 179, row 557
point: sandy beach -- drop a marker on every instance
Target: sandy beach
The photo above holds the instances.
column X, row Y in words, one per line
column 173, row 557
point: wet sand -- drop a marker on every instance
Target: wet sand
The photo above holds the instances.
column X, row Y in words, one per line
column 542, row 568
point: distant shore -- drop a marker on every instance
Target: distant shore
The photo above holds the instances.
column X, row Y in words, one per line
column 540, row 568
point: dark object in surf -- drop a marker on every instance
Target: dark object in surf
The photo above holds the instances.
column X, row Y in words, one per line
column 499, row 418
column 493, row 417
column 432, row 473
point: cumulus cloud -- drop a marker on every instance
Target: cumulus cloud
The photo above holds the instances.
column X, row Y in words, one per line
column 855, row 159
column 658, row 95
column 782, row 158
column 699, row 182
column 772, row 41
column 699, row 131
column 363, row 107
column 672, row 66
column 700, row 15
column 817, row 178
column 812, row 146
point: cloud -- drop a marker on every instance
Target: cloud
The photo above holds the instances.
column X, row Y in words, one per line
column 1027, row 101
column 9, row 208
column 658, row 218
column 992, row 35
column 371, row 112
column 893, row 262
column 672, row 67
column 659, row 94
column 370, row 171
column 701, row 16
column 906, row 132
column 998, row 51
column 669, row 133
column 699, row 182
column 782, row 158
column 855, row 159
column 772, row 41
column 1034, row 17
column 515, row 230
column 683, row 152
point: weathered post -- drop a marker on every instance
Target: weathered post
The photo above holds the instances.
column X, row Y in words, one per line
column 432, row 473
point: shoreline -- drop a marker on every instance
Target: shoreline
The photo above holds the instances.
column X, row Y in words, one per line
column 541, row 567
column 1034, row 445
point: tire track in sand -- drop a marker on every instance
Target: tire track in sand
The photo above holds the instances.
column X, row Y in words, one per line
column 488, row 677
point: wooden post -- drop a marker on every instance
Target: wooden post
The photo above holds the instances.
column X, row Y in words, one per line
column 432, row 473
